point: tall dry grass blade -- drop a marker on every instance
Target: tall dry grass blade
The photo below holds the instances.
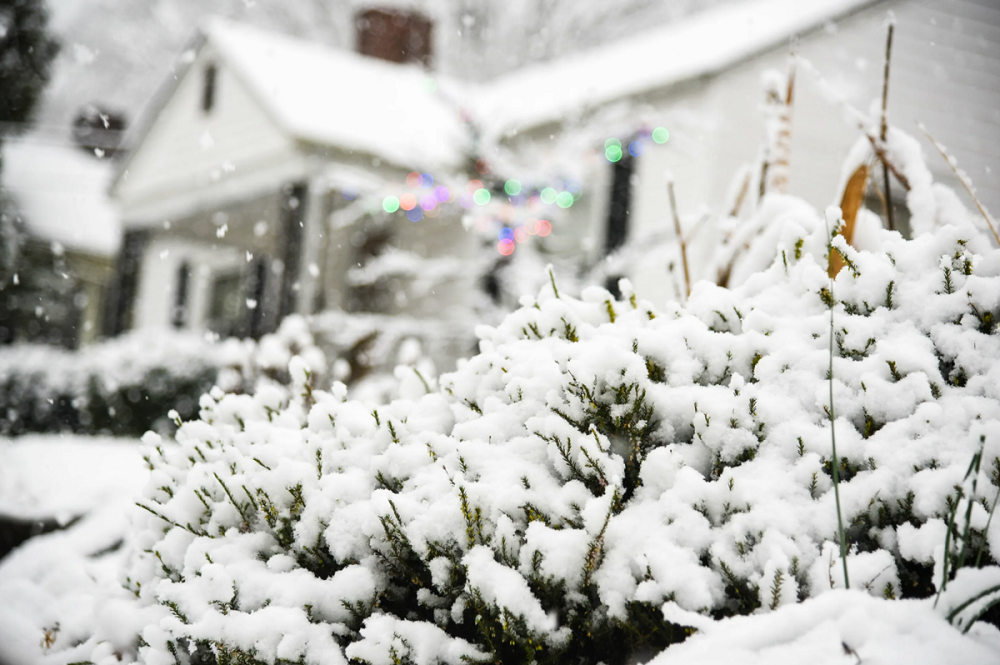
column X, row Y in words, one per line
column 885, row 124
column 835, row 462
column 742, row 195
column 850, row 204
column 680, row 238
column 964, row 178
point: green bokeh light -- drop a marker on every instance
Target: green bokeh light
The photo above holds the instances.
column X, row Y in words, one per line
column 564, row 199
column 549, row 195
column 482, row 196
column 613, row 153
column 390, row 204
column 512, row 187
column 613, row 142
column 661, row 135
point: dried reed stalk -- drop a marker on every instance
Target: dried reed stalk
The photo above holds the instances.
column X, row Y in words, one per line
column 680, row 238
column 781, row 150
column 850, row 204
column 885, row 125
column 964, row 178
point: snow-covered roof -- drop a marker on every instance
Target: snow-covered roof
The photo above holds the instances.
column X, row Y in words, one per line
column 62, row 194
column 343, row 99
column 701, row 45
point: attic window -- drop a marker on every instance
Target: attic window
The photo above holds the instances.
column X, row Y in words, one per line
column 208, row 88
column 395, row 36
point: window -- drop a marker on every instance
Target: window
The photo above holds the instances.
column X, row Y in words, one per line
column 394, row 36
column 293, row 218
column 208, row 88
column 98, row 131
column 616, row 232
column 618, row 210
column 179, row 316
column 370, row 291
column 257, row 290
column 225, row 311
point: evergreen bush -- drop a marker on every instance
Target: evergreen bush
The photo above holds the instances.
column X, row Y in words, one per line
column 598, row 472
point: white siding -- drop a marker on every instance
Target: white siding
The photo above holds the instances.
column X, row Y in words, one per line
column 945, row 73
column 189, row 156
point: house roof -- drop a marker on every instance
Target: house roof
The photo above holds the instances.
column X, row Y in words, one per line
column 702, row 45
column 405, row 116
column 61, row 193
column 343, row 99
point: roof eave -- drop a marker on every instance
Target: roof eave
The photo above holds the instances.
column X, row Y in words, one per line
column 557, row 119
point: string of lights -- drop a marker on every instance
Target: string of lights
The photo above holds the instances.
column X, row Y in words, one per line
column 424, row 196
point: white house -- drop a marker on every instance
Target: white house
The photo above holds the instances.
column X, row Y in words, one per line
column 270, row 175
column 259, row 179
column 700, row 80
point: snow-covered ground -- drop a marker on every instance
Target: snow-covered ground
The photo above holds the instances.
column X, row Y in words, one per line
column 838, row 627
column 62, row 478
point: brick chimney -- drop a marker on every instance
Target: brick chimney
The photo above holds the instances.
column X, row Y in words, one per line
column 394, row 35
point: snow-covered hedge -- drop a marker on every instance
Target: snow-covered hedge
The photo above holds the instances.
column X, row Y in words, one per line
column 601, row 478
column 123, row 386
column 126, row 386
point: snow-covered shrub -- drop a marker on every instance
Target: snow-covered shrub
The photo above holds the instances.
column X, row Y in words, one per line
column 126, row 386
column 599, row 471
column 123, row 386
column 368, row 349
